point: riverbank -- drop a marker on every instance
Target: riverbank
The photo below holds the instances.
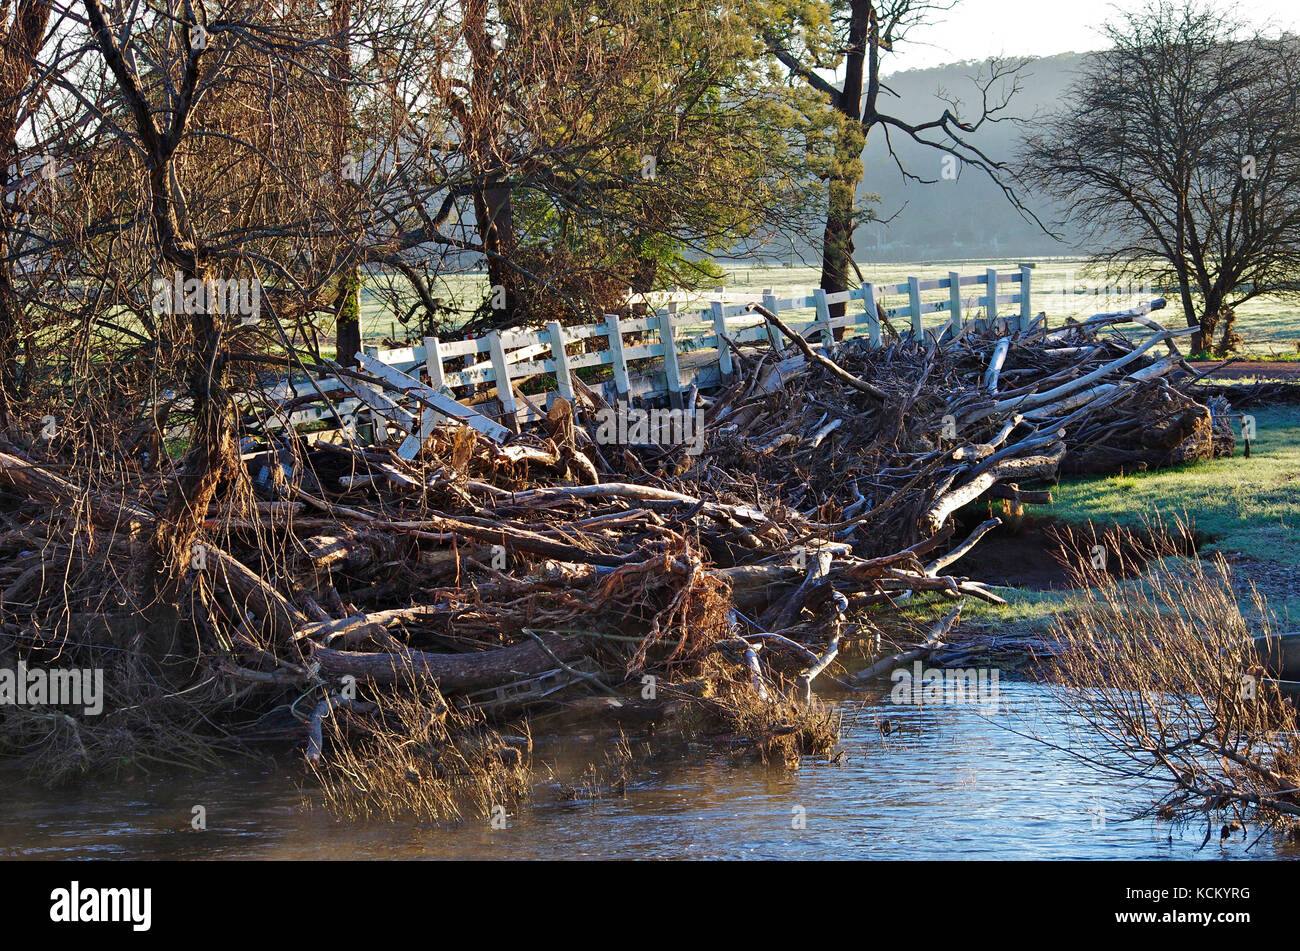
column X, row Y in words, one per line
column 421, row 615
column 1245, row 508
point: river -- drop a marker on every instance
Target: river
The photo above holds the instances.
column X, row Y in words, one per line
column 937, row 782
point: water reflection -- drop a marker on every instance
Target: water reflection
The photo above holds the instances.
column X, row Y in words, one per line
column 940, row 782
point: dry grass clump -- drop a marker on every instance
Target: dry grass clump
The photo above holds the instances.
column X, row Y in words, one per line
column 1165, row 673
column 142, row 724
column 603, row 780
column 1098, row 556
column 779, row 728
column 412, row 754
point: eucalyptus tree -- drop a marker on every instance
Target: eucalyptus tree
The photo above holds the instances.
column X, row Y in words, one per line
column 613, row 146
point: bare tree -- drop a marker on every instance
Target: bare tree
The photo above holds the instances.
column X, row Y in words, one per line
column 863, row 30
column 1176, row 689
column 1178, row 151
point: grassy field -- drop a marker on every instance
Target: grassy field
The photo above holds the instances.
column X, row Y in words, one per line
column 1062, row 287
column 1237, row 505
column 1246, row 509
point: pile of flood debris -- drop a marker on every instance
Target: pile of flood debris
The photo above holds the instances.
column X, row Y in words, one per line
column 709, row 576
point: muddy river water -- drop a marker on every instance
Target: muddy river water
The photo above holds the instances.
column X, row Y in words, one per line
column 956, row 781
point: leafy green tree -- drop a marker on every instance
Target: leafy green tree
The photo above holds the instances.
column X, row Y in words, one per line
column 616, row 146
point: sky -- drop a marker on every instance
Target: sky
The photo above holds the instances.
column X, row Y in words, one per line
column 978, row 29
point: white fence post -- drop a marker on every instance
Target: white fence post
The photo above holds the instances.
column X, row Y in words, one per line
column 774, row 335
column 563, row 375
column 992, row 310
column 720, row 329
column 954, row 303
column 824, row 318
column 914, row 304
column 1026, row 307
column 501, row 370
column 869, row 311
column 433, row 361
column 619, row 364
column 671, row 369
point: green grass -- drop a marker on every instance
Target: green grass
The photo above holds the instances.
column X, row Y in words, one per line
column 1237, row 505
column 1026, row 611
column 1253, row 357
column 1032, row 612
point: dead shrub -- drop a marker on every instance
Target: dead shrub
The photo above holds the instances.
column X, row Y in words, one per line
column 1165, row 672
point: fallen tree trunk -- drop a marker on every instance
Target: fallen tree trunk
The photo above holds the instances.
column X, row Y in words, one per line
column 452, row 673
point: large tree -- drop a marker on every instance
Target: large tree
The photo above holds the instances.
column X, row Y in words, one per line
column 207, row 151
column 613, row 145
column 22, row 35
column 1178, row 153
column 347, row 319
column 850, row 39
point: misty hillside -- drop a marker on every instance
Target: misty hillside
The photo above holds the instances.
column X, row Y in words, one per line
column 968, row 216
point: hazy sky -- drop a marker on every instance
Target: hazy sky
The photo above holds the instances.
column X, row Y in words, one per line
column 976, row 29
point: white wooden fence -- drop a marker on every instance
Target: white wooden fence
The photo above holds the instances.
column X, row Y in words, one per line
column 662, row 354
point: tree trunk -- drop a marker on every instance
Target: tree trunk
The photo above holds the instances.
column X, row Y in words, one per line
column 348, row 323
column 10, row 320
column 11, row 315
column 494, row 211
column 1211, row 314
column 1189, row 309
column 159, row 573
column 348, row 302
column 212, row 457
column 846, row 172
column 21, row 43
column 482, row 129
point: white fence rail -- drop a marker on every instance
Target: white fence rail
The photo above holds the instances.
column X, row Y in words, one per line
column 661, row 354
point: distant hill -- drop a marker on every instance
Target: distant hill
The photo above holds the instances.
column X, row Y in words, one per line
column 969, row 216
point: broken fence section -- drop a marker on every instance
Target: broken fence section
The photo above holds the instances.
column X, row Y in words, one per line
column 663, row 354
